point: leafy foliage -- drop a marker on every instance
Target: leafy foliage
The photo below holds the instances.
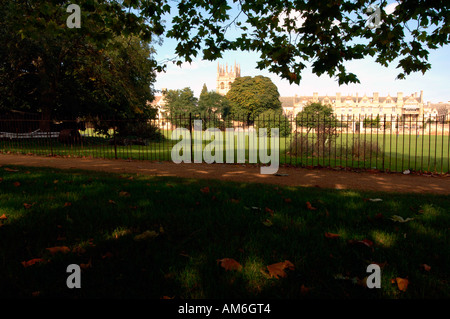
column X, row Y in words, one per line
column 274, row 119
column 103, row 68
column 289, row 35
column 250, row 96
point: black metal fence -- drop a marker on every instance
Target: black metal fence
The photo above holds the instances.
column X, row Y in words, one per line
column 386, row 143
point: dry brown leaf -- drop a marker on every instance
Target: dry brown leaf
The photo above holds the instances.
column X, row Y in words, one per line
column 402, row 283
column 234, row 201
column 309, row 206
column 10, row 169
column 205, row 190
column 16, row 184
column 66, row 204
column 31, row 262
column 331, row 235
column 229, row 264
column 304, row 290
column 3, row 217
column 277, row 270
column 57, row 249
column 124, row 194
column 27, row 206
column 268, row 210
column 86, row 266
column 425, row 267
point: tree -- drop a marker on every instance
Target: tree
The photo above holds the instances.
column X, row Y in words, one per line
column 211, row 102
column 320, row 119
column 290, row 34
column 372, row 122
column 104, row 68
column 181, row 106
column 250, row 96
column 274, row 119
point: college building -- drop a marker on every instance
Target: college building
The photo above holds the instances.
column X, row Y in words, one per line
column 399, row 107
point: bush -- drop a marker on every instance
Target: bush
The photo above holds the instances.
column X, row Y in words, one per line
column 273, row 119
column 139, row 129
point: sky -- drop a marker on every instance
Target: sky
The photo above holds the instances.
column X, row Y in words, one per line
column 373, row 77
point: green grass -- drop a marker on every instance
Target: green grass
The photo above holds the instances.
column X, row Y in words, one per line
column 196, row 228
column 396, row 153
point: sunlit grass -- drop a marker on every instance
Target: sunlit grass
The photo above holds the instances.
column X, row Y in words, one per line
column 100, row 217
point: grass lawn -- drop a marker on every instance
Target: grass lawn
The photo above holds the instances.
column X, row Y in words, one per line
column 396, row 153
column 146, row 237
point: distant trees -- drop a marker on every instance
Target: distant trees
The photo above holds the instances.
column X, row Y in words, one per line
column 319, row 119
column 103, row 69
column 211, row 102
column 251, row 96
column 274, row 119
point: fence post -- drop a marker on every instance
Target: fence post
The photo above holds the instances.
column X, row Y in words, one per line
column 115, row 142
column 190, row 131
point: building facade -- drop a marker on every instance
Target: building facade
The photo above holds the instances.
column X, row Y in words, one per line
column 347, row 107
column 225, row 77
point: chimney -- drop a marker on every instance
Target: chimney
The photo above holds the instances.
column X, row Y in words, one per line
column 399, row 98
column 375, row 97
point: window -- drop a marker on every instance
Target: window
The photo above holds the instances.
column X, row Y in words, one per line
column 222, row 86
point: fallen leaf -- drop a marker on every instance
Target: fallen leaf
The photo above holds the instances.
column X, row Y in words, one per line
column 107, row 255
column 309, row 206
column 66, row 204
column 31, row 262
column 304, row 290
column 267, row 223
column 16, row 184
column 3, row 217
column 111, row 201
column 288, row 200
column 234, row 201
column 229, row 264
column 55, row 181
column 400, row 219
column 205, row 190
column 57, row 249
column 124, row 194
column 425, row 267
column 331, row 235
column 148, row 234
column 268, row 210
column 86, row 266
column 277, row 270
column 10, row 169
column 402, row 283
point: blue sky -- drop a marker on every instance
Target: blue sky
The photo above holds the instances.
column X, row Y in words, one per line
column 373, row 77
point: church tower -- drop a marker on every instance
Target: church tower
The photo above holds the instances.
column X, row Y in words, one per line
column 225, row 77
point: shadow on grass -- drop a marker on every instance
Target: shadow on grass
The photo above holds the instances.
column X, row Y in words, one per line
column 193, row 223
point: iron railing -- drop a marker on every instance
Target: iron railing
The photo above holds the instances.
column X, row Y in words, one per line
column 385, row 143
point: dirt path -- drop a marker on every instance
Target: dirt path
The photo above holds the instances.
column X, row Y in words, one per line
column 324, row 178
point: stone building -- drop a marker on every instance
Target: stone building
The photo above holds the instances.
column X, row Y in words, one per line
column 347, row 107
column 225, row 77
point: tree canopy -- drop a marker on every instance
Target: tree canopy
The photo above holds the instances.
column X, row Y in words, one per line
column 213, row 102
column 289, row 35
column 103, row 68
column 38, row 47
column 250, row 96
